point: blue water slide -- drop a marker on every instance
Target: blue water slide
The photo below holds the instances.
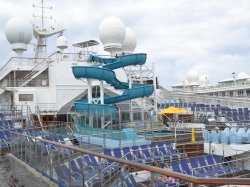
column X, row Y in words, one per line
column 143, row 91
column 121, row 61
column 109, row 76
column 103, row 71
column 99, row 73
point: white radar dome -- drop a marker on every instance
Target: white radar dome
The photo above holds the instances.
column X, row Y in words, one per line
column 242, row 75
column 62, row 42
column 19, row 33
column 204, row 80
column 112, row 34
column 193, row 77
column 129, row 43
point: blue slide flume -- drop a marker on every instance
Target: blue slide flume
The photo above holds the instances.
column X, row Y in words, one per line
column 104, row 72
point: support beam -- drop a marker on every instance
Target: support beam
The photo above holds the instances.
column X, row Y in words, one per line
column 89, row 91
column 101, row 92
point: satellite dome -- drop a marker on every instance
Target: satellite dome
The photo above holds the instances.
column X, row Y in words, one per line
column 193, row 78
column 129, row 43
column 186, row 82
column 19, row 33
column 112, row 33
column 204, row 80
column 242, row 75
column 62, row 42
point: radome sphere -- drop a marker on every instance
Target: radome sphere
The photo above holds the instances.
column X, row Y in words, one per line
column 19, row 33
column 242, row 75
column 62, row 42
column 204, row 80
column 193, row 77
column 129, row 43
column 112, row 33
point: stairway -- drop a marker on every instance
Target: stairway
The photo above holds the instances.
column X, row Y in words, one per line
column 35, row 120
column 38, row 69
column 191, row 149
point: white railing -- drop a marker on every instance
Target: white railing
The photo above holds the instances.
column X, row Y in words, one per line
column 15, row 61
column 47, row 107
column 206, row 99
column 38, row 68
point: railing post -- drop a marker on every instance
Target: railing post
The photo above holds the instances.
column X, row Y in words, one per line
column 70, row 172
column 21, row 150
column 100, row 176
column 83, row 178
column 210, row 148
column 152, row 179
column 25, row 152
column 104, row 140
column 50, row 164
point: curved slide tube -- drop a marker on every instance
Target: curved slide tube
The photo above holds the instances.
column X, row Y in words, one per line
column 104, row 72
column 122, row 61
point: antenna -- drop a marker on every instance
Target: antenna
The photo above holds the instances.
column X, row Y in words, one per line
column 43, row 31
column 42, row 16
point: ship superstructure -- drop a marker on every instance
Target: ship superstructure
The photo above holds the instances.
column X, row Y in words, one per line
column 46, row 82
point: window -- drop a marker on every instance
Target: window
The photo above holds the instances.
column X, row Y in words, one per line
column 248, row 93
column 25, row 97
column 240, row 93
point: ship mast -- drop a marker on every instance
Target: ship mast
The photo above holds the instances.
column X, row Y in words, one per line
column 42, row 31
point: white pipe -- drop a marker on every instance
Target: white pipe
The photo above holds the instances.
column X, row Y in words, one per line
column 89, row 91
column 101, row 92
column 154, row 81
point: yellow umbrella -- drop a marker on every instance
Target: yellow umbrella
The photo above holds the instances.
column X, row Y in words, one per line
column 172, row 110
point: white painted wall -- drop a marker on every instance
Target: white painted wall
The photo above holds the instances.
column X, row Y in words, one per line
column 63, row 84
column 225, row 149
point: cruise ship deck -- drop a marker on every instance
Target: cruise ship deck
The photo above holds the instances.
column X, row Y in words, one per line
column 78, row 117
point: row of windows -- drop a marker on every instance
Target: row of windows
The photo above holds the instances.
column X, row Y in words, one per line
column 239, row 93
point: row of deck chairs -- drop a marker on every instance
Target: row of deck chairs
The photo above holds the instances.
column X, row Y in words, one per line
column 146, row 153
column 128, row 180
column 208, row 166
column 5, row 127
column 33, row 132
column 6, row 124
column 6, row 137
column 83, row 170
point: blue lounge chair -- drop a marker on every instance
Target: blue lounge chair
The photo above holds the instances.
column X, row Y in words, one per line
column 216, row 166
column 209, row 169
column 185, row 167
column 127, row 153
column 195, row 167
column 148, row 156
column 219, row 161
column 176, row 167
column 64, row 175
column 108, row 152
column 137, row 154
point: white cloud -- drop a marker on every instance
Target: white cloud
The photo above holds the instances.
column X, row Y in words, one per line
column 212, row 37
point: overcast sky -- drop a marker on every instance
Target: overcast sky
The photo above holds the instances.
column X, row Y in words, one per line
column 209, row 36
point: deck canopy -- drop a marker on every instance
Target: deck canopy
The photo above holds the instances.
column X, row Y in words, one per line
column 172, row 110
column 85, row 44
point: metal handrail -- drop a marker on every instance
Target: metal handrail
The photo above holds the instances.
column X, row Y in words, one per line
column 192, row 179
column 34, row 71
column 217, row 164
